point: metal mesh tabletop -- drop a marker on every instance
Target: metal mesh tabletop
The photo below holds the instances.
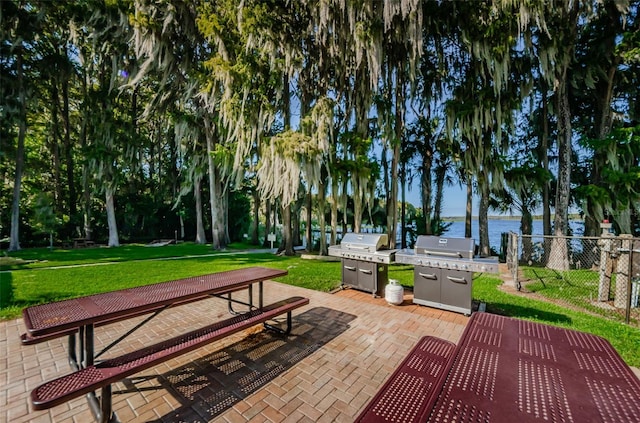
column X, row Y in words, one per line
column 59, row 316
column 510, row 370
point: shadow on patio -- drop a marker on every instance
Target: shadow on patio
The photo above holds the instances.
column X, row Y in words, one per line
column 211, row 385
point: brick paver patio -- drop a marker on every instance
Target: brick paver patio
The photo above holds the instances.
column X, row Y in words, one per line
column 343, row 346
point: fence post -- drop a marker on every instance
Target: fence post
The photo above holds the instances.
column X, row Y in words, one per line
column 634, row 267
column 621, row 299
column 604, row 283
column 512, row 258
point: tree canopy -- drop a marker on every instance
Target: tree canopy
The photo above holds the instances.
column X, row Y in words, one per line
column 114, row 113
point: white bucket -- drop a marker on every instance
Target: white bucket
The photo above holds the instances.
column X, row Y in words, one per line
column 394, row 292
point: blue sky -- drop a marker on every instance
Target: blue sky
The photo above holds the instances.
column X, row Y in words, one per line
column 455, row 200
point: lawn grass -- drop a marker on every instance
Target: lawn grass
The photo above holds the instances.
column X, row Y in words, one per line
column 624, row 338
column 92, row 272
column 23, row 288
column 34, row 258
column 577, row 287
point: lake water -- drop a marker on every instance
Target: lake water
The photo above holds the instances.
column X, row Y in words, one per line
column 498, row 226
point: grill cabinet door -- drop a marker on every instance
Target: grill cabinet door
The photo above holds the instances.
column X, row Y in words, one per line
column 456, row 288
column 426, row 284
column 367, row 276
column 350, row 272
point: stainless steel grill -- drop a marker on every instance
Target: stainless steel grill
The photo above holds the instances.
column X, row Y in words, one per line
column 443, row 271
column 365, row 260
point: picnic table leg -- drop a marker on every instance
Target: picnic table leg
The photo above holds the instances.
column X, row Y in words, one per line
column 230, row 304
column 81, row 348
column 85, row 333
column 102, row 408
column 89, row 353
column 106, row 409
column 230, row 300
column 72, row 353
column 81, row 356
column 279, row 330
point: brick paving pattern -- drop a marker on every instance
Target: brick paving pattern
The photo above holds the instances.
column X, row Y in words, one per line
column 342, row 348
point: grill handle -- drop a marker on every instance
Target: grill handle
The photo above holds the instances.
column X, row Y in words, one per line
column 443, row 253
column 359, row 247
column 462, row 281
column 350, row 267
column 428, row 275
column 366, row 271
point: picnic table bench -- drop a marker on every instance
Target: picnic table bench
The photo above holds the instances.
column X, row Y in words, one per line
column 509, row 370
column 77, row 318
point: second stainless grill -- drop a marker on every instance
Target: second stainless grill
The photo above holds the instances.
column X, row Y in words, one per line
column 443, row 271
column 365, row 261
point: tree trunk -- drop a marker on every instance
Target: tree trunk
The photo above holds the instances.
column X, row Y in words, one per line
column 386, row 181
column 403, row 211
column 201, row 237
column 73, row 207
column 392, row 203
column 224, row 209
column 267, row 228
column 308, row 231
column 217, row 213
column 334, row 210
column 358, row 202
column 54, row 146
column 441, row 173
column 255, row 224
column 14, row 238
column 426, row 189
column 526, row 226
column 218, row 238
column 469, row 210
column 111, row 218
column 286, row 231
column 321, row 219
column 544, row 153
column 483, row 218
column 296, row 220
column 86, row 192
column 559, row 254
column 603, row 118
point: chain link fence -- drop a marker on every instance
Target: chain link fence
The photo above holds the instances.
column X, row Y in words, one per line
column 597, row 275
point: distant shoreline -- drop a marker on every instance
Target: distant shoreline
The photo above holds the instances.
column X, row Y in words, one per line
column 502, row 217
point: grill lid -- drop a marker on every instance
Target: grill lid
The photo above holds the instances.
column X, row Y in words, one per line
column 364, row 242
column 445, row 247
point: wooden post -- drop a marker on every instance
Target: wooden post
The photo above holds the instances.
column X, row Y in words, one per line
column 622, row 273
column 604, row 284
